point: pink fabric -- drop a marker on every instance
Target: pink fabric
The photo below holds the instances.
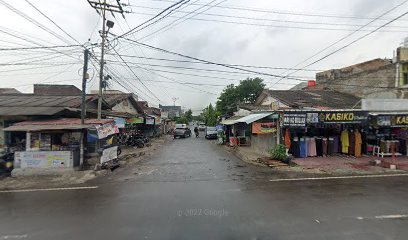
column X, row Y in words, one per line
column 312, row 147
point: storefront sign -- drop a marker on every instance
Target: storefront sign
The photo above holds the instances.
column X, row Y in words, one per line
column 43, row 159
column 157, row 120
column 149, row 121
column 106, row 130
column 120, row 122
column 399, row 120
column 137, row 120
column 343, row 117
column 294, row 119
column 264, row 128
column 109, row 154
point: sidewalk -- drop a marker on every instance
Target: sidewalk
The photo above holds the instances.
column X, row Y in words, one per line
column 65, row 178
column 347, row 164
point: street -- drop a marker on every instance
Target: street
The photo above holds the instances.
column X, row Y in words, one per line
column 194, row 189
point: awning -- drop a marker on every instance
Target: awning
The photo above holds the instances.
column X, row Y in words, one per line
column 33, row 128
column 253, row 117
column 231, row 120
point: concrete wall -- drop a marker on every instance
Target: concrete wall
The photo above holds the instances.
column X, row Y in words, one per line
column 377, row 83
column 384, row 104
column 262, row 143
column 124, row 106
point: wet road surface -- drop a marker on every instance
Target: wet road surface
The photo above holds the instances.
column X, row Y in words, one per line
column 193, row 189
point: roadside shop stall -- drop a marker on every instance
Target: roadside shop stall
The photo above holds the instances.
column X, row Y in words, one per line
column 58, row 143
column 310, row 133
column 388, row 133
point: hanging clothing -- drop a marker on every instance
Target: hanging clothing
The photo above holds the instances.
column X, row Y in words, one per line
column 302, row 145
column 319, row 147
column 352, row 142
column 364, row 143
column 312, row 147
column 295, row 148
column 287, row 139
column 325, row 146
column 358, row 142
column 330, row 147
column 307, row 141
column 344, row 141
column 336, row 144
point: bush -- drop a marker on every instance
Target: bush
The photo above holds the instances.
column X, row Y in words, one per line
column 278, row 153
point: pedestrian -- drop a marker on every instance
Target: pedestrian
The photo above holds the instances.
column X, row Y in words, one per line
column 196, row 132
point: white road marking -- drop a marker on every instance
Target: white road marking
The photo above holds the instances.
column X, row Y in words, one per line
column 393, row 216
column 14, row 236
column 341, row 177
column 48, row 189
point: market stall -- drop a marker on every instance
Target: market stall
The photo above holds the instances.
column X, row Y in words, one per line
column 388, row 133
column 57, row 143
column 308, row 133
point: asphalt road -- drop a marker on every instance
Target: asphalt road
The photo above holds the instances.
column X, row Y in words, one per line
column 193, row 189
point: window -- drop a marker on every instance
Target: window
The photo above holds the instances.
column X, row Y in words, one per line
column 405, row 79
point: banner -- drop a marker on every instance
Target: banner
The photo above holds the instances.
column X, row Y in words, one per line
column 149, row 121
column 343, row 117
column 157, row 120
column 294, row 119
column 390, row 121
column 399, row 120
column 264, row 128
column 137, row 120
column 120, row 122
column 109, row 154
column 44, row 159
column 106, row 130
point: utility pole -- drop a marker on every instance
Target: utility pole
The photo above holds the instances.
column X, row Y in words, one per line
column 84, row 78
column 103, row 7
column 102, row 61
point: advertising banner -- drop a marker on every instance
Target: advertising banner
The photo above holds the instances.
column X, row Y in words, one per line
column 390, row 121
column 109, row 154
column 149, row 121
column 106, row 130
column 137, row 120
column 294, row 119
column 343, row 117
column 120, row 122
column 43, row 159
column 264, row 128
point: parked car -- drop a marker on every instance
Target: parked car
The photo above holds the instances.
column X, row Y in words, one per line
column 201, row 127
column 211, row 133
column 182, row 132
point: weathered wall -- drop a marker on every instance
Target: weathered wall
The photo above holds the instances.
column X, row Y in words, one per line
column 377, row 83
column 124, row 106
column 262, row 143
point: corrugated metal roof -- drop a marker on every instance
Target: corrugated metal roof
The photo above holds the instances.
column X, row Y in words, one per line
column 33, row 128
column 31, row 100
column 29, row 111
column 231, row 120
column 253, row 117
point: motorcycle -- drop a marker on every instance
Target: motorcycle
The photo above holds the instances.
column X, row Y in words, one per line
column 7, row 163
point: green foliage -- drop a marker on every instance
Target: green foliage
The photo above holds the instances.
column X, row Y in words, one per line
column 189, row 115
column 278, row 153
column 210, row 116
column 246, row 92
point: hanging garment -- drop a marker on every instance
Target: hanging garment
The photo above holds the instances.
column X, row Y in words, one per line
column 330, row 147
column 312, row 147
column 287, row 139
column 319, row 147
column 295, row 148
column 336, row 144
column 352, row 142
column 403, row 146
column 302, row 144
column 324, row 146
column 344, row 141
column 383, row 146
column 358, row 142
column 307, row 140
column 364, row 143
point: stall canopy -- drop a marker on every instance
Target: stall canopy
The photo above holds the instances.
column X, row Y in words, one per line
column 253, row 117
column 56, row 124
column 231, row 120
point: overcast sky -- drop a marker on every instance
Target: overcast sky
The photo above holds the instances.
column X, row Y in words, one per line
column 276, row 34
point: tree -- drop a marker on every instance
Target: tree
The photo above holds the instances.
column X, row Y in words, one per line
column 189, row 115
column 247, row 91
column 210, row 116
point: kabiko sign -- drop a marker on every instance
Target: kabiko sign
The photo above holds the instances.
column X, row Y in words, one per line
column 294, row 119
column 343, row 117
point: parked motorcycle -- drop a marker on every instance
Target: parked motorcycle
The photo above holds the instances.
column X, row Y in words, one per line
column 7, row 163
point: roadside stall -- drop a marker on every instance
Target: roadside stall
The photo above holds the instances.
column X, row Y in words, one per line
column 310, row 133
column 388, row 134
column 57, row 143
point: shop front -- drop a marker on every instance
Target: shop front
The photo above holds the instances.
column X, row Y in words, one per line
column 308, row 133
column 56, row 143
column 388, row 134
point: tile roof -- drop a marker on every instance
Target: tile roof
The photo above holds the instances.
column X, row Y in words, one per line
column 319, row 99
